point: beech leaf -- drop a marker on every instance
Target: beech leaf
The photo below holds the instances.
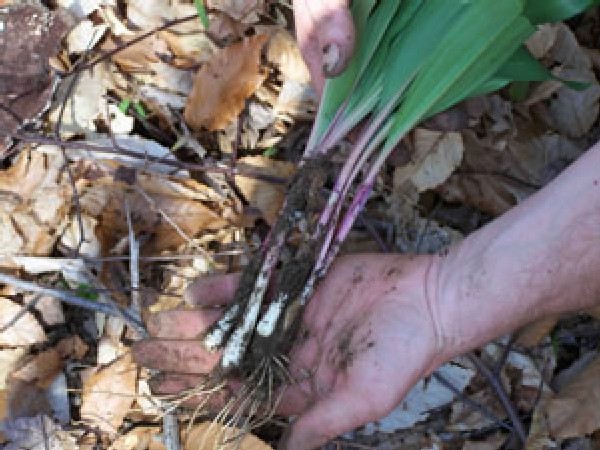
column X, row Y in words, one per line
column 224, row 83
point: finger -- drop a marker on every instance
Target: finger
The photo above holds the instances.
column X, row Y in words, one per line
column 212, row 290
column 174, row 383
column 325, row 33
column 312, row 54
column 337, row 414
column 182, row 324
column 336, row 38
column 174, row 356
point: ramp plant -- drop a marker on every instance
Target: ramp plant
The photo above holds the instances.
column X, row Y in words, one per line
column 415, row 58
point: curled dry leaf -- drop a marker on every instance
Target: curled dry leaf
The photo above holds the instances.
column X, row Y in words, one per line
column 224, row 83
column 436, row 156
column 245, row 11
column 208, row 436
column 283, row 51
column 108, row 394
column 495, row 179
column 25, row 331
column 266, row 197
column 34, row 209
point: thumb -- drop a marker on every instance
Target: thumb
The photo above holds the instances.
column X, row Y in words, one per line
column 336, row 414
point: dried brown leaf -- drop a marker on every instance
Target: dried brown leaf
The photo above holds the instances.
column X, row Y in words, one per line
column 9, row 357
column 499, row 172
column 208, row 436
column 493, row 442
column 283, row 51
column 141, row 438
column 108, row 394
column 224, row 83
column 266, row 197
column 574, row 411
column 35, row 205
column 436, row 156
column 41, row 369
column 25, row 331
column 246, row 11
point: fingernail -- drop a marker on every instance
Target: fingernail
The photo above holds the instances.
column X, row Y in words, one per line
column 333, row 63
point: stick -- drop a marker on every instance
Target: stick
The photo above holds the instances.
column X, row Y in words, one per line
column 75, row 300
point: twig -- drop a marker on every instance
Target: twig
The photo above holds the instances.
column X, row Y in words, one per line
column 484, row 410
column 502, row 396
column 134, row 266
column 75, row 300
column 171, row 431
column 140, row 38
column 174, row 224
column 74, row 146
column 66, row 166
column 28, row 307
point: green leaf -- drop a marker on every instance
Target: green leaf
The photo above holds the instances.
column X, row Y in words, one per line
column 124, row 105
column 270, row 152
column 202, row 13
column 87, row 291
column 543, row 11
column 139, row 109
column 477, row 44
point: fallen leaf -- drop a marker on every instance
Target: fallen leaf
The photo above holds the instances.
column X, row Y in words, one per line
column 495, row 179
column 34, row 210
column 574, row 411
column 86, row 102
column 543, row 40
column 85, row 36
column 245, row 11
column 49, row 308
column 36, row 433
column 9, row 357
column 436, row 156
column 224, row 83
column 532, row 334
column 108, row 394
column 493, row 442
column 72, row 347
column 266, row 197
column 25, row 331
column 82, row 8
column 41, row 369
column 208, row 436
column 141, row 438
column 283, row 52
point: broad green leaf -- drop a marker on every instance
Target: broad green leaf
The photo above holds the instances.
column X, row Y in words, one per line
column 479, row 41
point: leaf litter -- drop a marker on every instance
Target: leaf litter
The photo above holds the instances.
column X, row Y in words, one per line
column 205, row 111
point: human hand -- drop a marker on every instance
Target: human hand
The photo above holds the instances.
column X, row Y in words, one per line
column 325, row 33
column 370, row 333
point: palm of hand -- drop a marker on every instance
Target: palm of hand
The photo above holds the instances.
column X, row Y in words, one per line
column 367, row 337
